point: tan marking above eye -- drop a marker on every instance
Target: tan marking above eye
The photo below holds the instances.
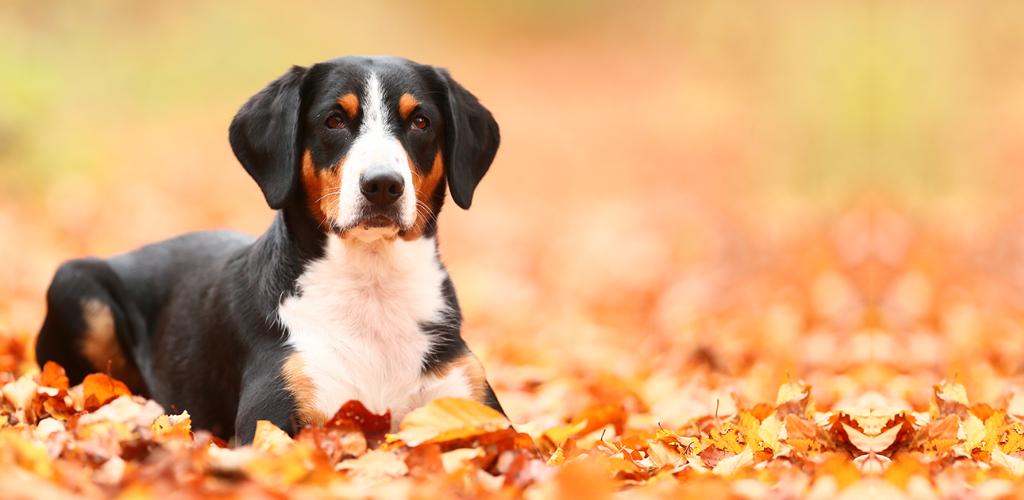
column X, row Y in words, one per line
column 350, row 103
column 406, row 104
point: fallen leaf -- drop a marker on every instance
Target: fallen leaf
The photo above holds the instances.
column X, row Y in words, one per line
column 1009, row 462
column 269, row 438
column 99, row 389
column 448, row 419
column 729, row 466
column 374, row 427
column 53, row 375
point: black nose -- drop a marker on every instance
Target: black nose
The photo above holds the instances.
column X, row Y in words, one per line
column 381, row 187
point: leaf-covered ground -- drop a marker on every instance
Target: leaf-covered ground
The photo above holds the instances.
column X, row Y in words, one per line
column 872, row 354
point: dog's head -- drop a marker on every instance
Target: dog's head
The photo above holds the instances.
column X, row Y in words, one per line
column 364, row 145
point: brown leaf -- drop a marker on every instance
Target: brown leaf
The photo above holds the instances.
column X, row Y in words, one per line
column 373, row 426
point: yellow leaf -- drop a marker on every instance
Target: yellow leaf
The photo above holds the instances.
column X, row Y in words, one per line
column 558, row 435
column 173, row 427
column 950, row 391
column 269, row 438
column 28, row 454
column 769, row 432
column 972, row 433
column 1014, row 438
column 794, row 397
column 994, row 427
column 727, row 438
column 447, row 419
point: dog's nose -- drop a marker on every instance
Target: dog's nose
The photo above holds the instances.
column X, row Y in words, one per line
column 381, row 187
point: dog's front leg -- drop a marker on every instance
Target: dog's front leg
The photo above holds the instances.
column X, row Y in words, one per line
column 264, row 396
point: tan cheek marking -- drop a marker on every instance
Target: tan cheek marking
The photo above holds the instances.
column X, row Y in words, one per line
column 406, row 104
column 476, row 379
column 303, row 390
column 322, row 189
column 425, row 186
column 350, row 103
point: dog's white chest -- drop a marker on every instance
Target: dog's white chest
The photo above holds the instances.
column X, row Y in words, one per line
column 356, row 325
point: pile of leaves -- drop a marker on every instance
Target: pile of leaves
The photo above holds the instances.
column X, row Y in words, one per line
column 96, row 439
column 868, row 355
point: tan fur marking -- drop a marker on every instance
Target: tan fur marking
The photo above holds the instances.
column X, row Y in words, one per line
column 303, row 390
column 100, row 345
column 425, row 186
column 322, row 189
column 474, row 372
column 406, row 104
column 350, row 103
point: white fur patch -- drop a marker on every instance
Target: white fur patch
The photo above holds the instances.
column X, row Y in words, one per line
column 356, row 325
column 375, row 147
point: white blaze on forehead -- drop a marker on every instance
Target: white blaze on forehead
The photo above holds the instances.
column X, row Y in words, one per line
column 375, row 113
column 375, row 147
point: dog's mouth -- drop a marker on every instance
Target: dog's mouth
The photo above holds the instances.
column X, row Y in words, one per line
column 377, row 221
column 372, row 227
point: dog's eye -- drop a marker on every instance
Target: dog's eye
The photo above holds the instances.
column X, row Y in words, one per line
column 334, row 121
column 420, row 123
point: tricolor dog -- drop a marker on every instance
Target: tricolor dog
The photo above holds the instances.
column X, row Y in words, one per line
column 343, row 297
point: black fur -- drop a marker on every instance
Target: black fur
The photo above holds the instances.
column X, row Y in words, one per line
column 472, row 140
column 195, row 316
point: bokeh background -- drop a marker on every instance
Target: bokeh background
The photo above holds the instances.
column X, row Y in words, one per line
column 693, row 202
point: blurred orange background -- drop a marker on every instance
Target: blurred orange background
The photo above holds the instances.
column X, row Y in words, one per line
column 691, row 199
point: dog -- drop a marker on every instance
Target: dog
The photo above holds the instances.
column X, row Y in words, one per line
column 343, row 297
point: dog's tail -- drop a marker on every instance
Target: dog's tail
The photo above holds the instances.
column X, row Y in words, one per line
column 92, row 325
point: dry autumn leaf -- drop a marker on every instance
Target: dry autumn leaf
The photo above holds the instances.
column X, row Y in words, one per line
column 99, row 389
column 53, row 375
column 449, row 419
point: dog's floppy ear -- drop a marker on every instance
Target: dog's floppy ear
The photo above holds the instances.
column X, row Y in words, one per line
column 471, row 140
column 265, row 136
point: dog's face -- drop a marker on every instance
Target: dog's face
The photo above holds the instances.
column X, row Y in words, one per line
column 364, row 145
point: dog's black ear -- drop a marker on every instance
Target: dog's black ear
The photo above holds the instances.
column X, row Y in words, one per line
column 265, row 136
column 471, row 140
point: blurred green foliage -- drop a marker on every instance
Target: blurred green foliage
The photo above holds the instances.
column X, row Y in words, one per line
column 913, row 98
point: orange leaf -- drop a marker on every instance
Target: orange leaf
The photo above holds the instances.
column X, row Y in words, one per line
column 166, row 428
column 53, row 375
column 100, row 389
